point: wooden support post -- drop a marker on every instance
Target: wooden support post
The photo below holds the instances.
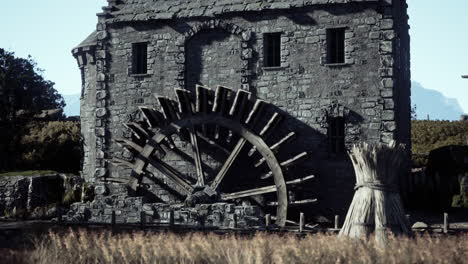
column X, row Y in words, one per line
column 301, row 222
column 171, row 218
column 267, row 220
column 337, row 222
column 446, row 223
column 113, row 220
column 142, row 219
column 233, row 223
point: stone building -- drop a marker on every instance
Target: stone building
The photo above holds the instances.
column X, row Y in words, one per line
column 337, row 70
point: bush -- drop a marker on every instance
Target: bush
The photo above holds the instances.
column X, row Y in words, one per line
column 42, row 145
column 428, row 135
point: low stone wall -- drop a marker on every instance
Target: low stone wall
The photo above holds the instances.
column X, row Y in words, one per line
column 20, row 195
column 112, row 200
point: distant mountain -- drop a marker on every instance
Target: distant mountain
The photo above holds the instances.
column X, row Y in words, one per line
column 434, row 103
column 73, row 104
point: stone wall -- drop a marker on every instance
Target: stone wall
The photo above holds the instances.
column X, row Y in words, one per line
column 112, row 204
column 370, row 90
column 20, row 195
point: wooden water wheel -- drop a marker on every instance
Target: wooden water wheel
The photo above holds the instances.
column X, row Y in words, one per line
column 238, row 127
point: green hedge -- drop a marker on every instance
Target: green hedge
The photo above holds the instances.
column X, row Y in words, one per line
column 41, row 145
column 428, row 135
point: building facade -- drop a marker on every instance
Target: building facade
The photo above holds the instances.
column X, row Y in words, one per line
column 339, row 71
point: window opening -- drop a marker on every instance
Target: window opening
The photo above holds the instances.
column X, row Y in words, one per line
column 336, row 45
column 140, row 58
column 272, row 49
column 336, row 135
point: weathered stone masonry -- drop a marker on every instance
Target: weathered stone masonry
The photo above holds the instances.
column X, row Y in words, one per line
column 221, row 42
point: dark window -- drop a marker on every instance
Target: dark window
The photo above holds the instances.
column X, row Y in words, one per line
column 139, row 56
column 335, row 45
column 336, row 135
column 272, row 49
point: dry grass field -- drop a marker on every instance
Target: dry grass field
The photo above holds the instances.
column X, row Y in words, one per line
column 139, row 247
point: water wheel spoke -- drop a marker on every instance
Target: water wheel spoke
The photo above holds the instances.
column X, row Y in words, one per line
column 247, row 193
column 263, row 190
column 172, row 174
column 197, row 157
column 213, row 143
column 228, row 163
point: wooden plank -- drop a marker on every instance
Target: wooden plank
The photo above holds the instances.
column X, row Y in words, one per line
column 184, row 103
column 168, row 109
column 220, row 104
column 272, row 123
column 239, row 104
column 228, row 163
column 151, row 117
column 202, row 100
column 255, row 113
column 121, row 162
column 300, row 180
column 298, row 158
column 292, row 203
column 138, row 131
column 128, row 144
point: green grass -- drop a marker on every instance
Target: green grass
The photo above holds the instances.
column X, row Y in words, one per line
column 27, row 173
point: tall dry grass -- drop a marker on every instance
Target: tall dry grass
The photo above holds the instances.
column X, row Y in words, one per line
column 138, row 247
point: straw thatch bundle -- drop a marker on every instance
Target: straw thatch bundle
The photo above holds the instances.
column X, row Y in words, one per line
column 376, row 205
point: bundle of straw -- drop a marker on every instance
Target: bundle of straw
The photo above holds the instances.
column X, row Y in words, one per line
column 376, row 205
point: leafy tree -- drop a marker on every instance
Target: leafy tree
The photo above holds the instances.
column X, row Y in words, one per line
column 23, row 87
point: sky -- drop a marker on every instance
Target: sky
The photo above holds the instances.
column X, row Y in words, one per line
column 49, row 29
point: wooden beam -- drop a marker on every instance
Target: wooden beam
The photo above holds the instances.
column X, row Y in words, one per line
column 228, row 163
column 197, row 157
column 171, row 174
column 129, row 144
column 261, row 190
column 151, row 117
